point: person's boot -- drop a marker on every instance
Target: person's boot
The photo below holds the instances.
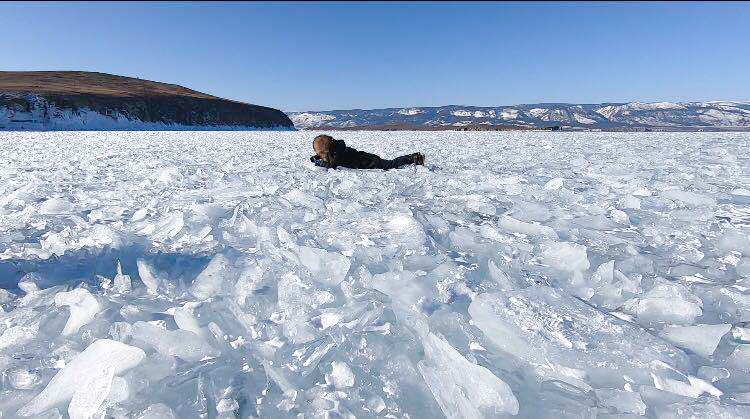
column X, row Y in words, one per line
column 419, row 159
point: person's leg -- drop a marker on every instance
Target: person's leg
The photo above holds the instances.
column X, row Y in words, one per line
column 398, row 162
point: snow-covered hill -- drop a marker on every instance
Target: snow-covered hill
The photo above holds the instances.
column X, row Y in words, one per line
column 74, row 100
column 596, row 116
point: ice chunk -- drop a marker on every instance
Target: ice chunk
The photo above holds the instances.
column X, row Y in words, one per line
column 740, row 358
column 227, row 405
column 88, row 399
column 329, row 268
column 565, row 256
column 515, row 226
column 669, row 379
column 139, row 215
column 18, row 335
column 542, row 325
column 54, row 206
column 703, row 409
column 554, row 184
column 623, row 402
column 83, row 308
column 500, row 277
column 168, row 175
column 341, row 376
column 22, row 378
column 463, row 389
column 157, row 411
column 713, row 374
column 100, row 354
column 741, row 334
column 274, row 374
column 118, row 392
column 169, row 226
column 609, row 286
column 121, row 331
column 298, row 198
column 701, row 339
column 530, row 211
column 180, row 343
column 122, row 282
column 641, row 192
column 249, row 279
column 735, row 241
column 559, row 399
column 481, row 207
column 630, row 202
column 185, row 320
column 665, row 302
column 376, row 404
column 404, row 287
column 146, row 273
column 210, row 280
column 743, row 268
column 690, row 199
column 28, row 284
column 571, row 260
column 620, row 217
column 6, row 296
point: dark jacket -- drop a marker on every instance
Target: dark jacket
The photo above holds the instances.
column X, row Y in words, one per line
column 344, row 156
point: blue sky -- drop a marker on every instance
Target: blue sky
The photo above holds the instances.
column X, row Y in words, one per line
column 323, row 56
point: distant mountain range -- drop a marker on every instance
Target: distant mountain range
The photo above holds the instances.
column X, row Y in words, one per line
column 606, row 116
column 78, row 100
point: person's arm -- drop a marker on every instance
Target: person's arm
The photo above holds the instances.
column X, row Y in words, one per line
column 319, row 162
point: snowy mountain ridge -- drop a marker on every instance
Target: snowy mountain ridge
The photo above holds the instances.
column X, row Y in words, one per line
column 712, row 114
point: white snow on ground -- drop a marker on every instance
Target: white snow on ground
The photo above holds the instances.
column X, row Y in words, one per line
column 410, row 112
column 222, row 274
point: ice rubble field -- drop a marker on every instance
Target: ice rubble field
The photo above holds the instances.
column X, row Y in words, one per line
column 543, row 275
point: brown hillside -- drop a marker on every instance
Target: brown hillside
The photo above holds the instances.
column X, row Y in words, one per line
column 81, row 82
column 145, row 100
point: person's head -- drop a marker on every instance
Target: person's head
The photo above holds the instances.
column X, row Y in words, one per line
column 322, row 146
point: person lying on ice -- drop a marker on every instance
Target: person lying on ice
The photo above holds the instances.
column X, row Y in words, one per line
column 330, row 153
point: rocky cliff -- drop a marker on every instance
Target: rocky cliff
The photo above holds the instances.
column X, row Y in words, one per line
column 72, row 100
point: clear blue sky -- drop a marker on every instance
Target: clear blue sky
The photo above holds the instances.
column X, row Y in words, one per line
column 323, row 56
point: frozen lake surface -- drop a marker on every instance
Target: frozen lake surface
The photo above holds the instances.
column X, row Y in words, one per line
column 221, row 274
